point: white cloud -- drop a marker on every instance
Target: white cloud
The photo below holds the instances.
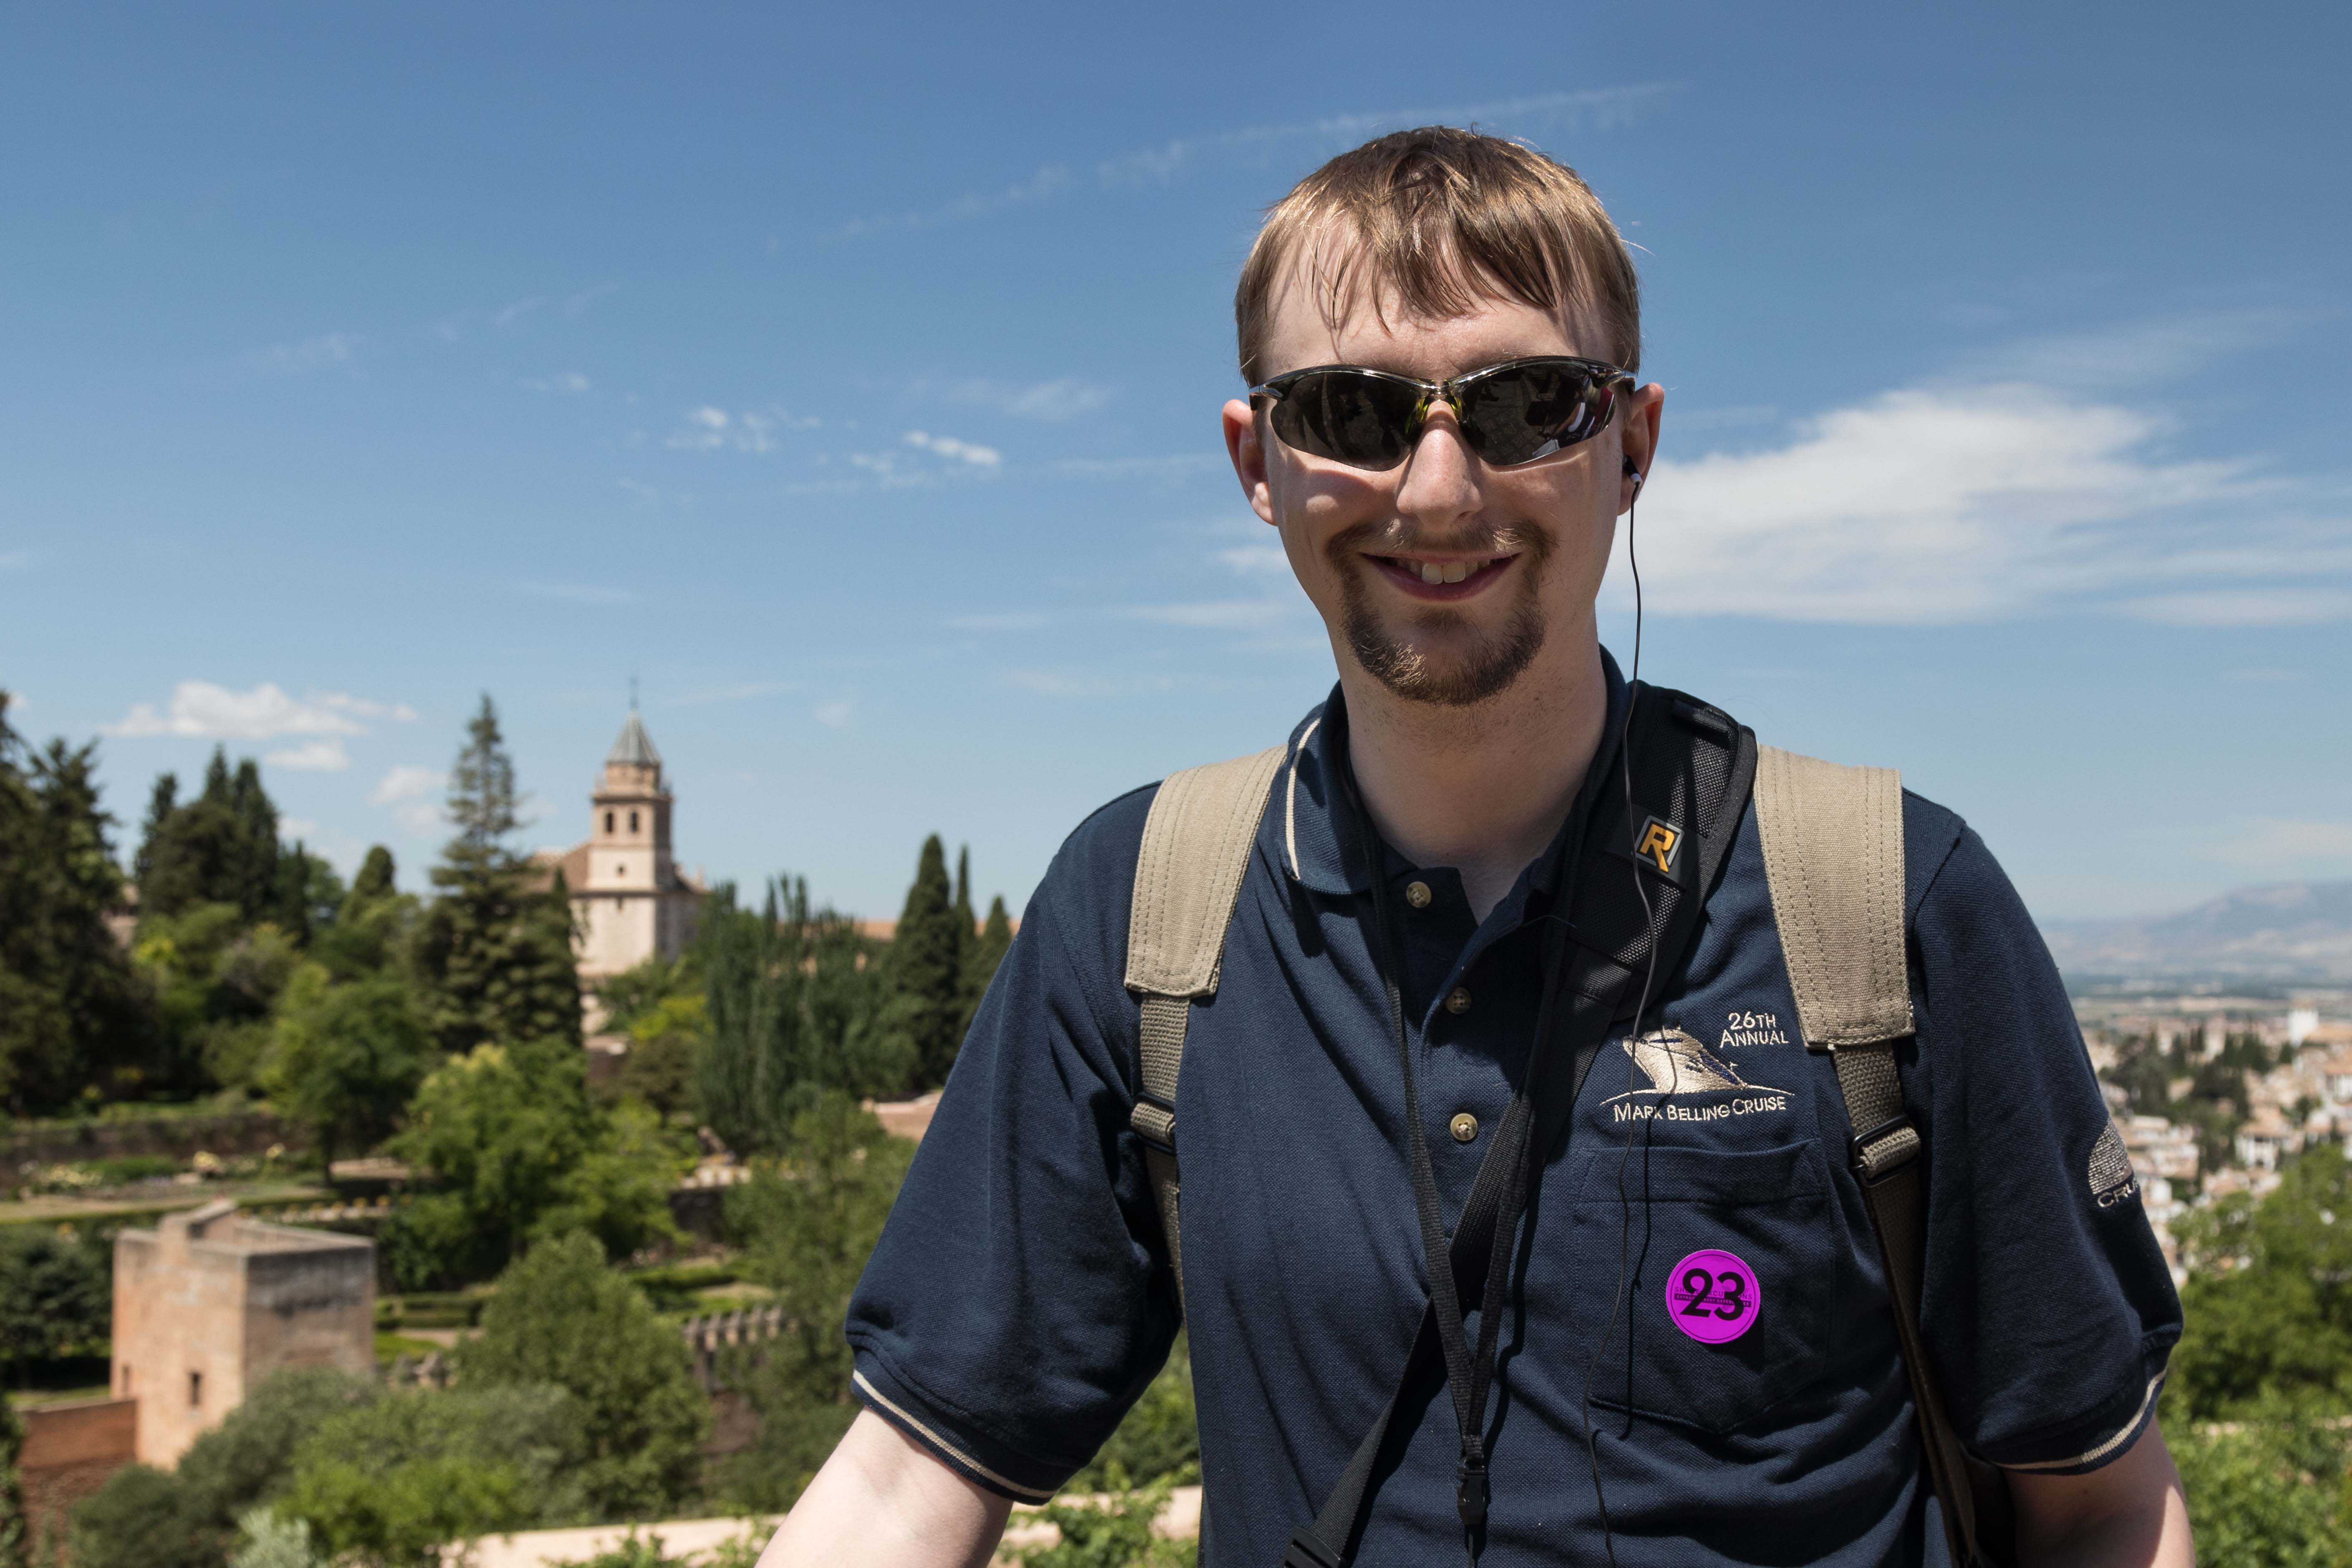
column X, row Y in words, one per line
column 14, row 560
column 1948, row 504
column 706, row 430
column 407, row 790
column 710, row 429
column 978, row 457
column 2245, row 607
column 835, row 715
column 325, row 755
column 570, row 381
column 321, row 353
column 200, row 708
column 406, row 782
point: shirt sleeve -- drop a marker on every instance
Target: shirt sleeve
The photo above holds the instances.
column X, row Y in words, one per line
column 1020, row 1299
column 2049, row 1308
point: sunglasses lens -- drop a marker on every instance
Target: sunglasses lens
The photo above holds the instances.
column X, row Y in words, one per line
column 1531, row 411
column 1349, row 417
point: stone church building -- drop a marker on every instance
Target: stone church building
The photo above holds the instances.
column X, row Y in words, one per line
column 631, row 899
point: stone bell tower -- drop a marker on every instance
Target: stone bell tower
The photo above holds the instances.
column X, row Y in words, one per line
column 630, row 898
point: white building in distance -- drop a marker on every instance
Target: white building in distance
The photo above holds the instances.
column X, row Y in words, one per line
column 629, row 899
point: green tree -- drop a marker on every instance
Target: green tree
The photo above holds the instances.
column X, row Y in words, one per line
column 664, row 1043
column 73, row 1015
column 561, row 1317
column 310, row 893
column 1161, row 1436
column 214, row 979
column 494, row 949
column 265, row 1540
column 54, row 1296
column 219, row 848
column 16, row 1525
column 793, row 999
column 2269, row 1298
column 926, row 1010
column 346, row 1057
column 518, row 1153
column 187, row 1517
column 389, row 1483
column 988, row 951
column 2272, row 1492
column 1116, row 1534
column 632, row 994
column 807, row 1227
column 375, row 880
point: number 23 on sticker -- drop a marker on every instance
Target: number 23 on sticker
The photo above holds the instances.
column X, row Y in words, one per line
column 1713, row 1297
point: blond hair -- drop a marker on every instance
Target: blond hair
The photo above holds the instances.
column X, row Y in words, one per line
column 1433, row 221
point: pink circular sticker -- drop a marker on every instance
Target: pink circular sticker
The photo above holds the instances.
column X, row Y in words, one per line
column 1713, row 1297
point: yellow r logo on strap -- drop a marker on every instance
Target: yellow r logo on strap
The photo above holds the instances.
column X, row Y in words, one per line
column 1657, row 845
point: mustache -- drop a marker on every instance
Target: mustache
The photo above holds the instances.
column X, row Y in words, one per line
column 1397, row 536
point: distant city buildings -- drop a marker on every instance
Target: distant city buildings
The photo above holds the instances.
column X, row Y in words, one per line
column 2300, row 1098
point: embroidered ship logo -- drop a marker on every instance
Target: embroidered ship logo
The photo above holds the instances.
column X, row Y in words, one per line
column 1677, row 1065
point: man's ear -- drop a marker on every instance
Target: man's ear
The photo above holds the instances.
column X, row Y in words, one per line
column 1637, row 438
column 1245, row 445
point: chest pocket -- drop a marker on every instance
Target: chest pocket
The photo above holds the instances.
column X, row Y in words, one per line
column 1768, row 1210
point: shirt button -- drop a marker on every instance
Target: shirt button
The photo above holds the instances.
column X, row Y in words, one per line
column 1464, row 1127
column 1417, row 894
column 1458, row 1000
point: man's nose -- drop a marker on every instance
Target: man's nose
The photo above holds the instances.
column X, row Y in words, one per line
column 1441, row 478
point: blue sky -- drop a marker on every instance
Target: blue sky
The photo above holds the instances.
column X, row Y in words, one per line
column 850, row 377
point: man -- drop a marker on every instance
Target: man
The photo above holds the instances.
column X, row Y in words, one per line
column 1453, row 539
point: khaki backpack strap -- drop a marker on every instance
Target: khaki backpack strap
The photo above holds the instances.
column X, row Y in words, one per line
column 1196, row 850
column 1833, row 858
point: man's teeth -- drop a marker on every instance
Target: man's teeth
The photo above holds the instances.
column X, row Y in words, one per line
column 1433, row 573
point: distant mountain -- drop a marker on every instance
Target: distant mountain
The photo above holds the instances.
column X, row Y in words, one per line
column 2291, row 933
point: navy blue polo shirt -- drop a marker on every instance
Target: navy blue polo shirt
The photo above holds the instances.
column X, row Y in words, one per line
column 1021, row 1297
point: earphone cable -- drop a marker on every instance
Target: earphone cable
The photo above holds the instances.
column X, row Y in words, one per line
column 1642, row 1006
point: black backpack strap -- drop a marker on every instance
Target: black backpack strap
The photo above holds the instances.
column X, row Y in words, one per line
column 1690, row 769
column 1833, row 855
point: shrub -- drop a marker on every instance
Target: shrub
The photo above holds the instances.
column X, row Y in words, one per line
column 561, row 1317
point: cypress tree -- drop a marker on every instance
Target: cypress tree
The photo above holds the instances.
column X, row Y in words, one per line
column 257, row 877
column 70, row 1008
column 219, row 848
column 494, row 952
column 373, row 881
column 988, row 951
column 160, row 804
column 925, row 1007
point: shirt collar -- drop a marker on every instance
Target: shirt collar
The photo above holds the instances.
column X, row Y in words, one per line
column 1316, row 828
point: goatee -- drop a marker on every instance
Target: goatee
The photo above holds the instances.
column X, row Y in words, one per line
column 1485, row 669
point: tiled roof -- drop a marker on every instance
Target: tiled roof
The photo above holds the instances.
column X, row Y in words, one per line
column 635, row 746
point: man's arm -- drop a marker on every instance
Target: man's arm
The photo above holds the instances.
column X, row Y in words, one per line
column 2128, row 1514
column 882, row 1500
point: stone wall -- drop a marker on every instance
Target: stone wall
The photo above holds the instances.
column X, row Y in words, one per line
column 69, row 1451
column 229, row 1135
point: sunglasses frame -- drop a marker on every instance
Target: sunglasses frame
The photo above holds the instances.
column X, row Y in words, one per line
column 1609, row 377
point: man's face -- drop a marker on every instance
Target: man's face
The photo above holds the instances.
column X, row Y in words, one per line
column 1518, row 553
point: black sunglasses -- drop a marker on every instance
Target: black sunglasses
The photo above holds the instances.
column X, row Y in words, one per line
column 1511, row 413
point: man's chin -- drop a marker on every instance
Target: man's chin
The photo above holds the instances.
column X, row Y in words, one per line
column 1447, row 666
